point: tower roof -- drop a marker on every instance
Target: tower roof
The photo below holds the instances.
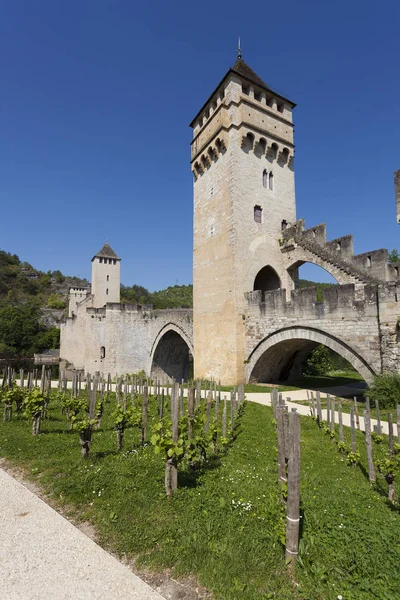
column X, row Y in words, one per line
column 106, row 252
column 243, row 70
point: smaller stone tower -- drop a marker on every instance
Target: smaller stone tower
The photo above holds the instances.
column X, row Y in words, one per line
column 106, row 278
column 397, row 193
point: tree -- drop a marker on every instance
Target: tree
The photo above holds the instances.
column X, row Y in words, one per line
column 394, row 256
column 19, row 326
column 319, row 361
column 386, row 389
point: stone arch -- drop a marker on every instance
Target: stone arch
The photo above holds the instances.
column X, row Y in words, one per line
column 277, row 355
column 298, row 256
column 267, row 279
column 171, row 354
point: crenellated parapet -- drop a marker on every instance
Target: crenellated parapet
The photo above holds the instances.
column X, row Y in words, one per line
column 304, row 302
column 337, row 256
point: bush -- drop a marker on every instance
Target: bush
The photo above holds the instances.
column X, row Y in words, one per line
column 385, row 389
column 319, row 361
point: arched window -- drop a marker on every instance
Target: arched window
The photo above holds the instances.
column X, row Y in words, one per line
column 271, row 181
column 265, row 179
column 102, row 352
column 107, row 292
column 108, row 278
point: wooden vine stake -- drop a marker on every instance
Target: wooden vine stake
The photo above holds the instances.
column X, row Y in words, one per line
column 144, row 413
column 333, row 415
column 280, row 429
column 378, row 418
column 224, row 419
column 208, row 413
column 274, row 400
column 190, row 412
column 319, row 410
column 328, row 410
column 353, row 431
column 356, row 413
column 232, row 413
column 341, row 435
column 398, row 422
column 181, row 405
column 368, row 441
column 391, row 438
column 171, row 469
column 293, row 499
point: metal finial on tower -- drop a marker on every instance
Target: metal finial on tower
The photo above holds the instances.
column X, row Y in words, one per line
column 239, row 50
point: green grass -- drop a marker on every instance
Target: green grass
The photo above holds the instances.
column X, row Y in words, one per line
column 226, row 522
column 332, row 379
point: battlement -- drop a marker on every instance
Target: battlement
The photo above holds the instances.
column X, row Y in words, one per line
column 368, row 267
column 304, row 301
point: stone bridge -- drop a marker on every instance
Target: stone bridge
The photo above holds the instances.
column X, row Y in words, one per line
column 128, row 338
column 360, row 324
column 357, row 321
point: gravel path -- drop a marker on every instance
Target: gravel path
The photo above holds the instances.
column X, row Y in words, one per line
column 43, row 556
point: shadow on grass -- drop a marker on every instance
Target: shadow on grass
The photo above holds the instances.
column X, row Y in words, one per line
column 105, row 453
column 59, row 431
column 189, row 478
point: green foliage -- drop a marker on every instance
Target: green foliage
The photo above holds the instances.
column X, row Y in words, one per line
column 388, row 466
column 177, row 296
column 353, row 458
column 394, row 256
column 320, row 287
column 131, row 415
column 56, row 301
column 378, row 439
column 319, row 361
column 19, row 327
column 34, row 404
column 24, row 293
column 81, row 423
column 386, row 389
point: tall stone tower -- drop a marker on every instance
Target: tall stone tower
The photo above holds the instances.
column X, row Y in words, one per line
column 106, row 278
column 242, row 162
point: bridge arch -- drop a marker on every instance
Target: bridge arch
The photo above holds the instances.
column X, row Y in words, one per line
column 171, row 354
column 298, row 256
column 282, row 353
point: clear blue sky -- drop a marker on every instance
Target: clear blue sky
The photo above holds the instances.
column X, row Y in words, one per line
column 96, row 98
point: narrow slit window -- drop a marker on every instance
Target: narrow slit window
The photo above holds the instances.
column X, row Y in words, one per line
column 265, row 179
column 102, row 352
column 107, row 292
column 258, row 214
column 108, row 278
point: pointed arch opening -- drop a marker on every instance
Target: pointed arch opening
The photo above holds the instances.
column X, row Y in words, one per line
column 267, row 279
column 172, row 358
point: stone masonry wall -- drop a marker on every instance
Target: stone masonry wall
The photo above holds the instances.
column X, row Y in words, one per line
column 361, row 324
column 129, row 334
